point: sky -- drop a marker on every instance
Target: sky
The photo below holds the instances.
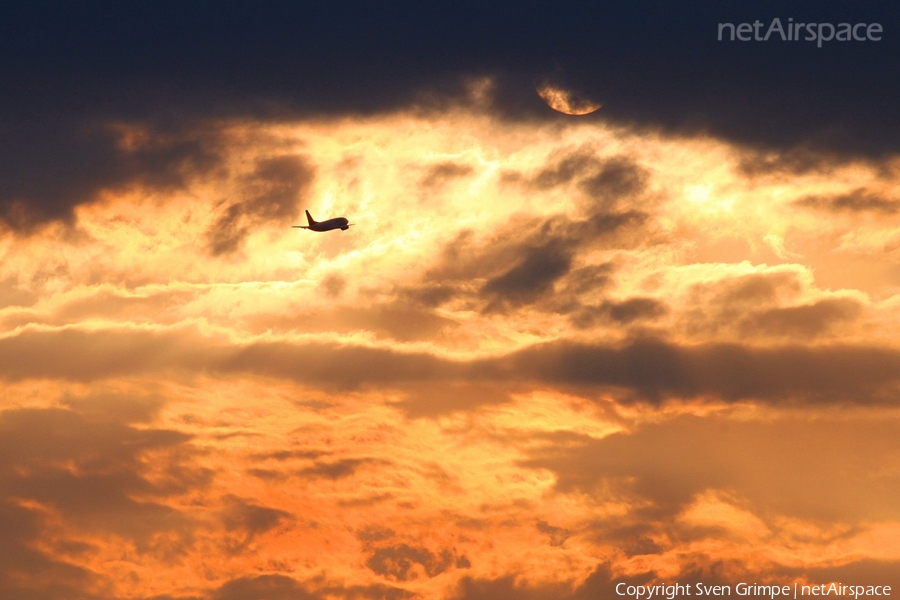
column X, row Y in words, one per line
column 554, row 353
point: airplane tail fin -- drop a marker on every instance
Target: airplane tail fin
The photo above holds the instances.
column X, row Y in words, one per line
column 310, row 219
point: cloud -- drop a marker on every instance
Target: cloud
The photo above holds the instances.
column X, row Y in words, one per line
column 565, row 170
column 249, row 520
column 532, row 278
column 90, row 470
column 74, row 477
column 558, row 535
column 11, row 294
column 28, row 573
column 663, row 467
column 859, row 200
column 103, row 302
column 857, row 572
column 412, row 371
column 618, row 177
column 270, row 587
column 282, row 587
column 334, row 285
column 649, row 369
column 280, row 63
column 605, row 181
column 443, row 172
column 803, row 321
column 272, row 192
column 506, row 588
column 436, row 398
column 623, row 312
column 778, row 302
column 599, row 584
column 50, row 165
column 398, row 318
column 403, row 562
column 536, row 262
column 653, row 370
column 339, row 469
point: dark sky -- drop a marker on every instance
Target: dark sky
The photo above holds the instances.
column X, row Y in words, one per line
column 69, row 66
column 655, row 63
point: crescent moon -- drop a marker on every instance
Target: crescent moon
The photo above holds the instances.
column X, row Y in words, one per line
column 565, row 101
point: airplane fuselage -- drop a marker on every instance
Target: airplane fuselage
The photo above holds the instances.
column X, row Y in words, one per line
column 336, row 223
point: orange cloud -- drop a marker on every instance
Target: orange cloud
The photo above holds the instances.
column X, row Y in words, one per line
column 545, row 359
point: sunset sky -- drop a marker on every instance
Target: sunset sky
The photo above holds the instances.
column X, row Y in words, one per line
column 653, row 343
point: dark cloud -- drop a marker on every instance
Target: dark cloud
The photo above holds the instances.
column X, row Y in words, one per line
column 319, row 469
column 599, row 584
column 248, row 520
column 761, row 303
column 90, row 468
column 617, row 177
column 557, row 535
column 565, row 170
column 859, row 200
column 605, row 181
column 585, row 280
column 648, row 66
column 88, row 464
column 91, row 356
column 281, row 587
column 345, row 367
column 272, row 192
column 289, row 454
column 602, row 582
column 862, row 572
column 507, row 588
column 263, row 587
column 649, row 369
column 532, row 278
column 757, row 288
column 798, row 160
column 765, row 304
column 623, row 312
column 72, row 71
column 28, row 573
column 655, row 370
column 530, row 262
column 431, row 295
column 334, row 285
column 339, row 469
column 440, row 173
column 804, row 321
column 403, row 562
column 374, row 533
column 50, row 164
column 843, row 466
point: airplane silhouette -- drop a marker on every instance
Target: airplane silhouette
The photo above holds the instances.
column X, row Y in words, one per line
column 336, row 223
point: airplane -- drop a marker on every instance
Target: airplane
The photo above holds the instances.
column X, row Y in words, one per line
column 336, row 223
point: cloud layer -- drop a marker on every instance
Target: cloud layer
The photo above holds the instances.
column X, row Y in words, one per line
column 551, row 355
